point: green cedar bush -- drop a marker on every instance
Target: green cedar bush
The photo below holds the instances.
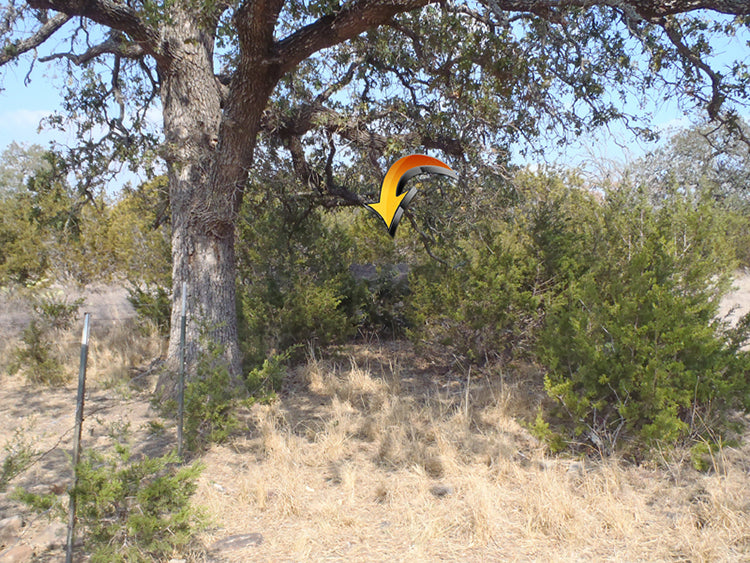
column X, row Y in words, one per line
column 48, row 230
column 152, row 303
column 128, row 509
column 56, row 311
column 36, row 358
column 632, row 344
column 263, row 381
column 294, row 284
column 210, row 399
column 384, row 302
column 614, row 293
column 135, row 510
column 19, row 455
column 514, row 261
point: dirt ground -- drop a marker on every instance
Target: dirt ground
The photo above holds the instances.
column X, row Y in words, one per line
column 372, row 453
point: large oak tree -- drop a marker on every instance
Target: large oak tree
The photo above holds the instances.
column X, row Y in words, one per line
column 464, row 78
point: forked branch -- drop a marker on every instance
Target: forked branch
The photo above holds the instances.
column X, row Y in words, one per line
column 16, row 48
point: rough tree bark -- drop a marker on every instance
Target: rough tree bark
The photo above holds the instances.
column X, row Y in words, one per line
column 202, row 240
column 206, row 184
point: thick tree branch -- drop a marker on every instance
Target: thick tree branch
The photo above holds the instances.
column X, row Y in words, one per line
column 256, row 20
column 735, row 127
column 115, row 15
column 222, row 85
column 13, row 50
column 660, row 8
column 315, row 115
column 332, row 29
column 356, row 17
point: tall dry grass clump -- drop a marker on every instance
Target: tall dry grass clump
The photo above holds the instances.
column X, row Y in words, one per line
column 120, row 351
column 40, row 334
column 117, row 352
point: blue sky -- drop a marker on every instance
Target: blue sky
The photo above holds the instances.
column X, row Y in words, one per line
column 24, row 106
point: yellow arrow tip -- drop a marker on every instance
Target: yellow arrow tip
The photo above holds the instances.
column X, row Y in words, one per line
column 387, row 206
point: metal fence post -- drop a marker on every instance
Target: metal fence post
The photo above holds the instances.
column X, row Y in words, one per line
column 181, row 384
column 77, row 434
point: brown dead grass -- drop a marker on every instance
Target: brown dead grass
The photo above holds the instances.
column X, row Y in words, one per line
column 119, row 345
column 368, row 458
column 117, row 353
column 41, row 419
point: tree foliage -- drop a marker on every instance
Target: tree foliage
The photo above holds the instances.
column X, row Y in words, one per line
column 701, row 162
column 340, row 89
column 615, row 296
column 633, row 343
column 37, row 209
column 47, row 231
column 489, row 302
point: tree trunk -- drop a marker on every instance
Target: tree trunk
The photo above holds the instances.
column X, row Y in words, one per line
column 202, row 242
column 209, row 153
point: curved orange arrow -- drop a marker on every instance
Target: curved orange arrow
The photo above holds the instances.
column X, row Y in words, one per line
column 392, row 202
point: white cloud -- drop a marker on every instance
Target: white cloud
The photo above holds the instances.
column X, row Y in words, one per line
column 24, row 118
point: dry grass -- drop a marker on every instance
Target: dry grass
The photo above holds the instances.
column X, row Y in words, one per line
column 116, row 354
column 364, row 458
column 119, row 351
column 40, row 419
column 119, row 346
